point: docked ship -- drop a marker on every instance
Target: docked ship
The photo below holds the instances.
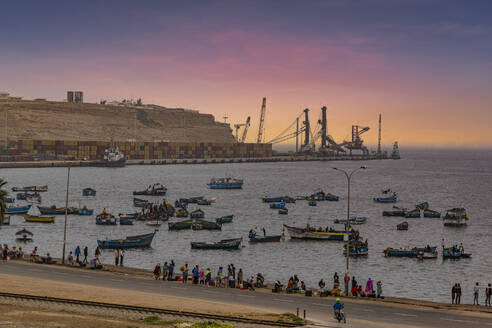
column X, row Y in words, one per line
column 395, row 154
column 455, row 217
column 225, row 183
column 112, row 158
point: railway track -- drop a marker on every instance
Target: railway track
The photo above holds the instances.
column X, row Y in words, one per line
column 149, row 310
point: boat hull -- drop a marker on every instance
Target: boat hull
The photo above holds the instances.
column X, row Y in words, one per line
column 266, row 239
column 385, row 199
column 39, row 219
column 18, row 210
column 299, row 233
column 142, row 241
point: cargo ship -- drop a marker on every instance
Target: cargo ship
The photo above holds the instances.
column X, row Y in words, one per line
column 112, row 158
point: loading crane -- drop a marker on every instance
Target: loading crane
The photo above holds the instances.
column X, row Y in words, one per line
column 245, row 131
column 261, row 128
column 357, row 143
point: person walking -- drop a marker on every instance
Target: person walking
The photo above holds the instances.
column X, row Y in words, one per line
column 164, row 271
column 170, row 270
column 453, row 293
column 184, row 271
column 458, row 294
column 86, row 253
column 346, row 280
column 157, row 271
column 97, row 252
column 488, row 294
column 122, row 255
column 476, row 291
column 77, row 254
column 239, row 280
column 116, row 256
column 196, row 274
column 379, row 289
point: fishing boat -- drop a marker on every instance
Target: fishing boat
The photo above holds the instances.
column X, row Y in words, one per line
column 224, row 219
column 277, row 205
column 182, row 213
column 254, row 238
column 194, row 224
column 18, row 209
column 223, row 244
column 112, row 157
column 355, row 220
column 312, row 203
column 413, row 213
column 197, row 214
column 126, row 221
column 312, row 234
column 30, row 188
column 391, row 199
column 204, row 202
column 332, row 198
column 156, row 189
column 39, row 219
column 105, row 219
column 272, row 199
column 423, row 206
column 427, row 254
column 452, row 253
column 137, row 202
column 9, row 200
column 397, row 211
column 85, row 211
column 88, row 192
column 128, row 216
column 139, row 241
column 225, row 183
column 21, row 196
column 318, row 195
column 402, row 226
column 431, row 214
column 455, row 217
column 283, row 211
column 154, row 223
column 33, row 198
column 23, row 235
column 287, row 199
column 357, row 248
column 53, row 210
column 407, row 251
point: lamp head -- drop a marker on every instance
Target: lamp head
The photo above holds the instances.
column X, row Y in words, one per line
column 363, row 167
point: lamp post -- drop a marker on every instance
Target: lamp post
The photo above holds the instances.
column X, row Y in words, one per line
column 66, row 214
column 347, row 225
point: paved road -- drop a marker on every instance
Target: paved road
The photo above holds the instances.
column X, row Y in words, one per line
column 318, row 309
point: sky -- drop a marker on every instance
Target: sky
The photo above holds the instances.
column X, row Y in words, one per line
column 425, row 65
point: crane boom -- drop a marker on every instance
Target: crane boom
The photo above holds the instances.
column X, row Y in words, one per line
column 262, row 121
column 245, row 131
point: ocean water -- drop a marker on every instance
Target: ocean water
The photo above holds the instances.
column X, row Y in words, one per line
column 444, row 178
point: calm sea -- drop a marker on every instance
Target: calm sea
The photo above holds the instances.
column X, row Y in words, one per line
column 444, row 178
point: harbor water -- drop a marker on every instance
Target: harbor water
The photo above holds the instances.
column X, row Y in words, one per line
column 444, row 178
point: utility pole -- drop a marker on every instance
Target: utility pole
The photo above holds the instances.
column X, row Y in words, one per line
column 66, row 214
column 379, row 136
column 297, row 134
column 6, row 129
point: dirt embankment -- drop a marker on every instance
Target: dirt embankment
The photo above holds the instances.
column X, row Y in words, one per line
column 46, row 120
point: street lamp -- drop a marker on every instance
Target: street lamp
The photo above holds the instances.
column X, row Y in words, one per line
column 347, row 225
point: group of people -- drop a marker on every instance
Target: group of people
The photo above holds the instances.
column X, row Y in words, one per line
column 456, row 294
column 357, row 291
column 7, row 253
column 204, row 276
column 156, row 211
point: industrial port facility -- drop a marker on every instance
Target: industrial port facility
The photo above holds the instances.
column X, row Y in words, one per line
column 74, row 130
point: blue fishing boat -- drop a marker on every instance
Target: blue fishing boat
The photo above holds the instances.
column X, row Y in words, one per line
column 455, row 217
column 85, row 211
column 453, row 253
column 139, row 241
column 253, row 238
column 105, row 219
column 332, row 198
column 277, row 205
column 354, row 220
column 223, row 244
column 88, row 192
column 204, row 202
column 313, row 234
column 423, row 206
column 21, row 196
column 391, row 199
column 431, row 214
column 224, row 219
column 9, row 200
column 408, row 252
column 283, row 211
column 397, row 211
column 19, row 209
column 272, row 199
column 288, row 199
column 413, row 213
column 125, row 221
column 225, row 183
column 137, row 202
column 197, row 214
column 312, row 203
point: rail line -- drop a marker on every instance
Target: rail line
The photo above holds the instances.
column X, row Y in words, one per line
column 144, row 309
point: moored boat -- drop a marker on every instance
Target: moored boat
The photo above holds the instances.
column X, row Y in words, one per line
column 30, row 188
column 225, row 183
column 137, row 202
column 357, row 248
column 254, row 238
column 18, row 209
column 126, row 221
column 225, row 219
column 397, row 211
column 455, row 217
column 24, row 235
column 355, row 220
column 312, row 203
column 391, row 199
column 197, row 214
column 88, row 192
column 156, row 189
column 112, row 158
column 407, row 252
column 332, row 198
column 139, row 241
column 277, row 205
column 53, row 210
column 223, row 244
column 402, row 226
column 308, row 233
column 154, row 223
column 454, row 253
column 283, row 211
column 423, row 205
column 85, row 211
column 194, row 224
column 105, row 219
column 39, row 218
column 413, row 213
column 428, row 213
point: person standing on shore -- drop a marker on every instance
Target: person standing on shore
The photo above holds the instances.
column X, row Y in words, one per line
column 116, row 256
column 239, row 280
column 476, row 291
column 122, row 255
column 77, row 254
column 196, row 274
column 157, row 271
column 346, row 280
column 458, row 294
column 379, row 289
column 97, row 252
column 164, row 271
column 488, row 294
column 442, row 243
column 86, row 253
column 184, row 271
column 453, row 293
column 170, row 270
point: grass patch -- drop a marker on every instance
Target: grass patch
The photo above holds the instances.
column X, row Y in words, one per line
column 290, row 318
column 156, row 321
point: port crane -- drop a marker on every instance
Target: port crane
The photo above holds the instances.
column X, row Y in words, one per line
column 261, row 128
column 357, row 143
column 245, row 131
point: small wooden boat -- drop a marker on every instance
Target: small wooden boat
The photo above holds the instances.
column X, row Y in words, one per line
column 182, row 213
column 154, row 223
column 402, row 226
column 23, row 235
column 311, row 234
column 33, row 198
column 289, row 200
column 223, row 244
column 427, row 254
column 413, row 213
column 312, row 203
column 452, row 253
column 357, row 249
column 131, row 216
column 253, row 238
column 455, row 217
column 423, row 206
column 408, row 252
column 88, row 192
column 156, row 189
column 105, row 219
column 19, row 209
column 53, row 210
column 332, row 198
column 392, row 199
column 195, row 224
column 30, row 188
column 431, row 214
column 272, row 199
column 203, row 202
column 126, row 221
column 137, row 202
column 225, row 183
column 197, row 214
column 283, row 211
column 85, row 211
column 277, row 205
column 397, row 211
column 355, row 220
column 21, row 196
column 225, row 219
column 139, row 241
column 39, row 219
